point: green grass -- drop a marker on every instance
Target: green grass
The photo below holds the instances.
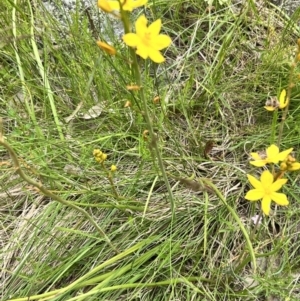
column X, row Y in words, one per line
column 220, row 69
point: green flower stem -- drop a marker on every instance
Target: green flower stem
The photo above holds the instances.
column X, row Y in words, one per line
column 237, row 219
column 288, row 95
column 254, row 231
column 153, row 137
column 111, row 181
column 48, row 193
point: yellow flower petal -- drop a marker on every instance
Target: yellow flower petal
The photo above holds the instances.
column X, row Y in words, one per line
column 254, row 182
column 266, row 179
column 130, row 5
column 254, row 195
column 162, row 41
column 142, row 51
column 284, row 154
column 156, row 56
column 105, row 6
column 265, row 205
column 278, row 184
column 141, row 25
column 255, row 156
column 283, row 101
column 280, row 199
column 114, row 5
column 272, row 151
column 282, row 96
column 155, row 27
column 258, row 163
column 294, row 166
column 131, row 39
column 269, row 108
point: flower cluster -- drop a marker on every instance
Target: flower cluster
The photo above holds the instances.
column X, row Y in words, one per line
column 289, row 164
column 99, row 156
column 266, row 189
column 147, row 40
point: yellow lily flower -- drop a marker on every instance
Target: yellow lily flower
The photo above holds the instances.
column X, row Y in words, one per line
column 266, row 190
column 272, row 155
column 147, row 40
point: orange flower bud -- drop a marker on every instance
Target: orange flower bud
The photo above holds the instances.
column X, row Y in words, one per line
column 291, row 85
column 107, row 48
column 127, row 104
column 133, row 88
column 156, row 99
column 104, row 157
column 145, row 135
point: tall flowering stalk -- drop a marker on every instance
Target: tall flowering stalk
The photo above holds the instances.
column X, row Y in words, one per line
column 291, row 85
column 146, row 42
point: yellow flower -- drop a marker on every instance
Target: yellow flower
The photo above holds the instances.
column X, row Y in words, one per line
column 272, row 155
column 265, row 189
column 147, row 40
column 275, row 104
column 107, row 48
